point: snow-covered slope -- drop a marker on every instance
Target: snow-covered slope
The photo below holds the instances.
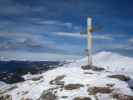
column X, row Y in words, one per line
column 113, row 62
column 71, row 82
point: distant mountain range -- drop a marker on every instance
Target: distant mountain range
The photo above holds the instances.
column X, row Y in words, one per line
column 11, row 71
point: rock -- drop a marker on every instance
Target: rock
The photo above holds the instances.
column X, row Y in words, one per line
column 82, row 98
column 37, row 78
column 120, row 77
column 64, row 97
column 130, row 83
column 48, row 95
column 6, row 97
column 94, row 68
column 110, row 85
column 88, row 73
column 24, row 98
column 122, row 96
column 72, row 86
column 24, row 92
column 57, row 80
column 95, row 90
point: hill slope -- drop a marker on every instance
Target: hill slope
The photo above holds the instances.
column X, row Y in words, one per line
column 72, row 82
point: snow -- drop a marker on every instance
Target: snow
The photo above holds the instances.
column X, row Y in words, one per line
column 2, row 84
column 113, row 63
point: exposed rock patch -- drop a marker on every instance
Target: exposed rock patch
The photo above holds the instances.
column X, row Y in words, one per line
column 6, row 97
column 130, row 83
column 110, row 85
column 88, row 73
column 64, row 97
column 120, row 77
column 72, row 86
column 26, row 98
column 58, row 80
column 37, row 78
column 122, row 96
column 48, row 95
column 91, row 67
column 82, row 98
column 95, row 90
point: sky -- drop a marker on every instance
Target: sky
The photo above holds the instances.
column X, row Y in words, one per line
column 50, row 29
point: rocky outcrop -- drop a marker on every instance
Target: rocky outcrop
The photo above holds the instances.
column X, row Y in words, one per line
column 48, row 95
column 91, row 67
column 95, row 90
column 122, row 96
column 72, row 86
column 120, row 77
column 82, row 98
column 58, row 80
column 6, row 97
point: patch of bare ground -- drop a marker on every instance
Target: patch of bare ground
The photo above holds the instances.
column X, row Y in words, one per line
column 37, row 78
column 122, row 96
column 24, row 98
column 64, row 97
column 110, row 85
column 82, row 98
column 95, row 90
column 58, row 80
column 120, row 77
column 72, row 86
column 48, row 95
column 88, row 73
column 91, row 67
column 6, row 97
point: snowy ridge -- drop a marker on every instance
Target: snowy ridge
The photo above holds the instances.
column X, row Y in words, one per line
column 111, row 61
column 114, row 62
column 59, row 78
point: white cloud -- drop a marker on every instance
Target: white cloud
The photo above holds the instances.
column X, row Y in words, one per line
column 15, row 55
column 102, row 36
column 69, row 34
column 54, row 22
column 95, row 36
column 130, row 40
column 115, row 46
column 18, row 40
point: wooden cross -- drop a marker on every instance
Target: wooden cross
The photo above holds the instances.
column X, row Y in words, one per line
column 89, row 39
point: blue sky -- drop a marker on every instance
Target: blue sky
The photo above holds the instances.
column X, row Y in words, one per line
column 49, row 29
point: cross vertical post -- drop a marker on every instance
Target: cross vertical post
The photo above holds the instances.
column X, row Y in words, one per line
column 89, row 39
